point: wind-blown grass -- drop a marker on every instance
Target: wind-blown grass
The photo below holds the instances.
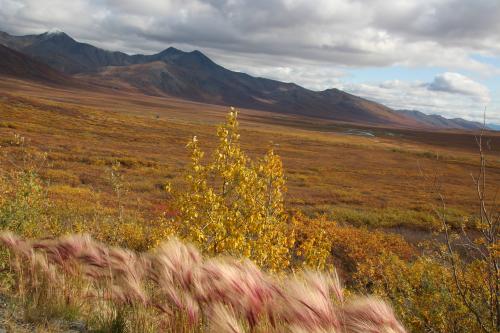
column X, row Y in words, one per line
column 175, row 289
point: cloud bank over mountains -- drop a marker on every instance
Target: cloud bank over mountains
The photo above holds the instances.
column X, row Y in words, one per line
column 315, row 43
column 449, row 94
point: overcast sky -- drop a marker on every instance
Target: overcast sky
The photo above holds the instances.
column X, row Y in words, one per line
column 437, row 56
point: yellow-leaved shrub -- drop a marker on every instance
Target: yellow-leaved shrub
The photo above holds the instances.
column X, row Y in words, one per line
column 313, row 242
column 424, row 295
column 234, row 205
column 322, row 243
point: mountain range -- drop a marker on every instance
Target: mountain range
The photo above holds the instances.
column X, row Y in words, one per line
column 434, row 120
column 56, row 57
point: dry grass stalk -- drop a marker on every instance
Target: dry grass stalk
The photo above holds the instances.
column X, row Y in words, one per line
column 220, row 294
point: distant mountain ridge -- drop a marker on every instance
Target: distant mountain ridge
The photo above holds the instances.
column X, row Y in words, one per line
column 442, row 122
column 194, row 76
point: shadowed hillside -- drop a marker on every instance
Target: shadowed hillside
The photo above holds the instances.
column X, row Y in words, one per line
column 18, row 65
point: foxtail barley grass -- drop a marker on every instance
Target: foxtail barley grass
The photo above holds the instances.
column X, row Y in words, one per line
column 175, row 289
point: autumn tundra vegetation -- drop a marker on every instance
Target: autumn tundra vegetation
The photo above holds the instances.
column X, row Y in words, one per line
column 227, row 255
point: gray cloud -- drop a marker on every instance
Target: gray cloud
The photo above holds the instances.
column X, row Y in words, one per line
column 341, row 32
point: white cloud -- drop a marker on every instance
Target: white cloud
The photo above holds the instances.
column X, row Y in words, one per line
column 456, row 83
column 449, row 94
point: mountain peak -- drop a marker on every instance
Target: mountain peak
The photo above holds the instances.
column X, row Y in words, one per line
column 170, row 51
column 199, row 55
column 56, row 34
column 200, row 58
column 55, row 31
column 178, row 56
